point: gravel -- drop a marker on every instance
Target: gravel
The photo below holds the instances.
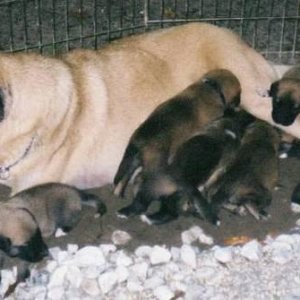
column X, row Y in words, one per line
column 255, row 270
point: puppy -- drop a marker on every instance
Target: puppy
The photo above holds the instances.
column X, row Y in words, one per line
column 36, row 213
column 285, row 95
column 201, row 159
column 253, row 174
column 175, row 121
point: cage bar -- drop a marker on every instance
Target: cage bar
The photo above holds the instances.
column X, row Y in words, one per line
column 55, row 26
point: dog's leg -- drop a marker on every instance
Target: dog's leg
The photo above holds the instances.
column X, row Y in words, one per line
column 138, row 206
column 296, row 194
column 201, row 208
column 169, row 210
column 130, row 162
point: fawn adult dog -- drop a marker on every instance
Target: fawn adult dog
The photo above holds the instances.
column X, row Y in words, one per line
column 69, row 119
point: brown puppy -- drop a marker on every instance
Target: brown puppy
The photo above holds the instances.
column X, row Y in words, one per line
column 285, row 95
column 33, row 214
column 69, row 119
column 175, row 121
column 204, row 156
column 250, row 179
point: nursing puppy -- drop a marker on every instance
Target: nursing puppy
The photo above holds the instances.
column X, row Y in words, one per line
column 36, row 213
column 199, row 161
column 69, row 119
column 285, row 95
column 249, row 181
column 175, row 121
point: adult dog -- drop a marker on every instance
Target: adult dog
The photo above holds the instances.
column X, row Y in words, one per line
column 69, row 119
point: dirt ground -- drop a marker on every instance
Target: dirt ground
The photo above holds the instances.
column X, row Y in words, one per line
column 94, row 231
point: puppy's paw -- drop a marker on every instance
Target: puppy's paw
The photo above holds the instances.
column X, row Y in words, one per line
column 126, row 212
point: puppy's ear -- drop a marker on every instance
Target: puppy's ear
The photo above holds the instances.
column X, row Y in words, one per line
column 274, row 89
column 5, row 244
column 2, row 104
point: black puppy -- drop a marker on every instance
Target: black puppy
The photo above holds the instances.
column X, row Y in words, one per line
column 285, row 95
column 248, row 183
column 203, row 156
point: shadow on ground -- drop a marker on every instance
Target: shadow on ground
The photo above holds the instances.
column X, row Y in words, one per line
column 94, row 231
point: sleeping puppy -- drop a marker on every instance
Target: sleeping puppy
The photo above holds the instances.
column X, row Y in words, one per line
column 175, row 121
column 248, row 182
column 201, row 159
column 36, row 213
column 285, row 95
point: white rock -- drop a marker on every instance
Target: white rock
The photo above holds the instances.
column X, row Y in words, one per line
column 89, row 256
column 91, row 287
column 188, row 255
column 140, row 270
column 205, row 273
column 252, row 250
column 58, row 276
column 72, row 248
column 187, row 237
column 107, row 281
column 51, row 266
column 108, row 248
column 201, row 236
column 159, row 255
column 143, row 251
column 282, row 256
column 122, row 273
column 54, row 251
column 120, row 237
column 134, row 286
column 175, row 252
column 163, row 293
column 62, row 257
column 59, row 232
column 223, row 254
column 56, row 293
column 74, row 276
column 92, row 272
column 153, row 282
column 295, row 208
column 123, row 259
column 7, row 278
column 195, row 292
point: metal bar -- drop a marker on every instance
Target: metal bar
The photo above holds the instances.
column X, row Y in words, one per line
column 121, row 14
column 242, row 18
column 25, row 24
column 162, row 11
column 108, row 7
column 296, row 31
column 254, row 37
column 187, row 9
column 200, row 8
column 81, row 13
column 11, row 29
column 95, row 25
column 39, row 23
column 54, row 26
column 222, row 19
column 282, row 27
column 146, row 14
column 269, row 26
column 67, row 25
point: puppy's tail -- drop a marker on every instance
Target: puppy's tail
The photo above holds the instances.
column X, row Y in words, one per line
column 128, row 165
column 94, row 201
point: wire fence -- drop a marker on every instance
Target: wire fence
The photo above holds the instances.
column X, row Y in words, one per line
column 56, row 26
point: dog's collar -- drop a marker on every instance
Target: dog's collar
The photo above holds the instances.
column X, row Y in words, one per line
column 215, row 86
column 5, row 170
